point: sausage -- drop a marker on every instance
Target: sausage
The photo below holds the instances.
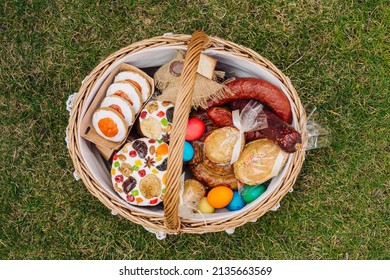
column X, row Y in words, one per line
column 200, row 157
column 210, row 179
column 283, row 134
column 210, row 173
column 198, row 153
column 218, row 168
column 260, row 90
column 220, row 116
column 253, row 135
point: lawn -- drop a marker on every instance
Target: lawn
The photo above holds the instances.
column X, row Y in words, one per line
column 337, row 55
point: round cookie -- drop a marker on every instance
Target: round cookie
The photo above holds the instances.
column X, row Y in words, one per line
column 109, row 124
column 138, row 171
column 139, row 81
column 121, row 105
column 127, row 91
column 155, row 120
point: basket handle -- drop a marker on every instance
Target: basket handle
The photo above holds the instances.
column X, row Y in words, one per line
column 180, row 118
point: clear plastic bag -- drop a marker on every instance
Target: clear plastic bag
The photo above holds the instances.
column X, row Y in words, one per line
column 250, row 119
column 318, row 135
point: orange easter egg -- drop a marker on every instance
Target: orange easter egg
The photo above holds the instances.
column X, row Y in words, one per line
column 220, row 197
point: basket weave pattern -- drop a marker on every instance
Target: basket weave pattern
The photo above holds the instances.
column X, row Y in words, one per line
column 170, row 222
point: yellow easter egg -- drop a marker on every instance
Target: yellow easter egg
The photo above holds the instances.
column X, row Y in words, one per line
column 204, row 207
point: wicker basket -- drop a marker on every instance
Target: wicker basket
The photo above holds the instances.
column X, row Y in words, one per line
column 90, row 167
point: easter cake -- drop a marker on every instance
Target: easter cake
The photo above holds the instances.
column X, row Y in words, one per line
column 138, row 171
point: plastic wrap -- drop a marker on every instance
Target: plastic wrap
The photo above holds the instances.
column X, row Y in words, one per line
column 260, row 161
column 250, row 119
column 318, row 136
column 220, row 144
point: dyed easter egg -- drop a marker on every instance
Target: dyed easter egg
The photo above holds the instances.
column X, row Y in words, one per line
column 220, row 197
column 250, row 193
column 195, row 129
column 204, row 207
column 188, row 152
column 237, row 202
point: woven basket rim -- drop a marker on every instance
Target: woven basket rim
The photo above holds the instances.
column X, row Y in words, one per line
column 156, row 222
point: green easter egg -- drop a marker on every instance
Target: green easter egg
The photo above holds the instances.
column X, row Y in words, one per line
column 250, row 193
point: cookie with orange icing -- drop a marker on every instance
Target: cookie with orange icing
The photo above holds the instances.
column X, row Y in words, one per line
column 121, row 105
column 110, row 124
column 138, row 80
column 127, row 91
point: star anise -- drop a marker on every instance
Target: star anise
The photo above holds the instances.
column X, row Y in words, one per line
column 149, row 162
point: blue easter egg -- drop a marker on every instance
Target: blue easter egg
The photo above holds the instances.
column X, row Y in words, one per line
column 188, row 152
column 236, row 203
column 250, row 193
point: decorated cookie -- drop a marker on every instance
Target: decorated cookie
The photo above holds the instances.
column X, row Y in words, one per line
column 127, row 91
column 109, row 124
column 138, row 171
column 121, row 105
column 155, row 120
column 139, row 81
column 219, row 145
column 259, row 161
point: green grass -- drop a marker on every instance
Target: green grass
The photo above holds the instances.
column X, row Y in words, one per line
column 335, row 52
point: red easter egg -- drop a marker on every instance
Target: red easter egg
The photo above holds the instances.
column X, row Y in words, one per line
column 195, row 129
